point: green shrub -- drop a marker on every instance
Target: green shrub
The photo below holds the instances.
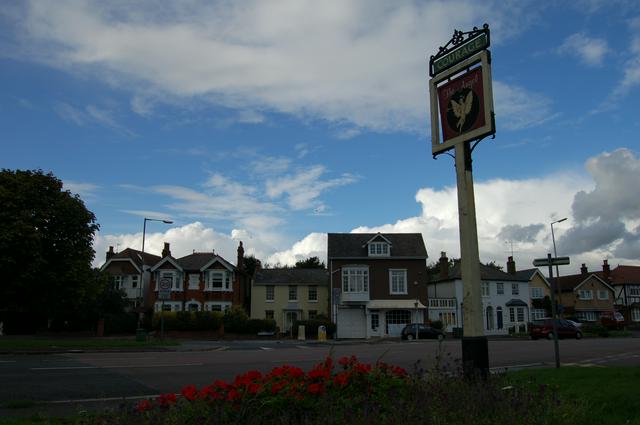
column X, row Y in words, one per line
column 188, row 321
column 311, row 328
column 595, row 329
column 120, row 323
column 235, row 320
column 437, row 324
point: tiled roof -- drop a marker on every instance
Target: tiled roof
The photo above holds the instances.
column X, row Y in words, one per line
column 196, row 261
column 352, row 245
column 625, row 274
column 135, row 255
column 486, row 273
column 525, row 275
column 569, row 283
column 292, row 277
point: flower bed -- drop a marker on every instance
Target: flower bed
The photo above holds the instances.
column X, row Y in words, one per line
column 347, row 392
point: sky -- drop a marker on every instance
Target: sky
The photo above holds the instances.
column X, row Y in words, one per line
column 277, row 122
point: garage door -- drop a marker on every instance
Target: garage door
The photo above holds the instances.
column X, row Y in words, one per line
column 351, row 323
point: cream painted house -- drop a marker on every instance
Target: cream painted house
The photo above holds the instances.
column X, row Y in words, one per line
column 287, row 295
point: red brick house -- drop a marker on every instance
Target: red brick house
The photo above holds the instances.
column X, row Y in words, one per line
column 202, row 281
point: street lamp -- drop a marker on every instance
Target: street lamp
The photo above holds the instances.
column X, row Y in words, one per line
column 144, row 233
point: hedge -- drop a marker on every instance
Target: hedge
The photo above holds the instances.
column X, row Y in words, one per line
column 188, row 321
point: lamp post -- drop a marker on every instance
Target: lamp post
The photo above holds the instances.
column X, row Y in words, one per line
column 144, row 233
column 417, row 323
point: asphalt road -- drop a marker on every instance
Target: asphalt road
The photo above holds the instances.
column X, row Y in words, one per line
column 74, row 378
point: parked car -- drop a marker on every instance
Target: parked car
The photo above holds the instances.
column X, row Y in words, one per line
column 612, row 320
column 544, row 329
column 423, row 331
column 575, row 323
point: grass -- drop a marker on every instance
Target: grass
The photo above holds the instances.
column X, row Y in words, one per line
column 606, row 395
column 35, row 343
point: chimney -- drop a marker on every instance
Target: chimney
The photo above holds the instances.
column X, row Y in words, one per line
column 583, row 270
column 240, row 262
column 511, row 265
column 606, row 270
column 166, row 252
column 444, row 265
column 110, row 253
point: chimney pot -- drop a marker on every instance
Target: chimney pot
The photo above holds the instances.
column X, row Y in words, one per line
column 511, row 265
column 110, row 253
column 240, row 260
column 584, row 270
column 166, row 252
column 444, row 265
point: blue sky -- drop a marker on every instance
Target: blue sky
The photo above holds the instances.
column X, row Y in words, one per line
column 275, row 122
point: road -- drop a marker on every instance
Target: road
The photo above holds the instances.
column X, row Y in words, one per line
column 73, row 377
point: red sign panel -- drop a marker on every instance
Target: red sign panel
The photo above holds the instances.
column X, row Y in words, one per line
column 461, row 104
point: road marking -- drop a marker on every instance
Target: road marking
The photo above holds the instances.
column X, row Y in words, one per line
column 221, row 348
column 304, row 347
column 266, row 348
column 93, row 400
column 116, row 366
column 8, row 361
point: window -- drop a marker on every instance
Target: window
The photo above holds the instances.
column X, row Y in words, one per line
column 166, row 307
column 192, row 307
column 293, row 293
column 536, row 293
column 634, row 291
column 585, row 294
column 313, row 293
column 217, row 305
column 587, row 316
column 512, row 314
column 538, row 313
column 117, row 282
column 270, row 293
column 219, row 280
column 484, row 286
column 500, row 288
column 194, row 281
column 375, row 321
column 379, row 249
column 355, row 279
column 603, row 295
column 313, row 314
column 515, row 290
column 520, row 312
column 134, row 281
column 268, row 314
column 398, row 281
column 171, row 277
column 635, row 314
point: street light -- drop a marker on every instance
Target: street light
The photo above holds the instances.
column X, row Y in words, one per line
column 144, row 233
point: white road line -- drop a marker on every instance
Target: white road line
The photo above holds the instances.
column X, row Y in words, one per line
column 8, row 361
column 221, row 348
column 93, row 400
column 117, row 366
column 266, row 348
column 304, row 347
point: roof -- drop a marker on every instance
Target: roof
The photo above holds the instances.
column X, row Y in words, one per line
column 625, row 274
column 571, row 282
column 291, row 277
column 516, row 303
column 486, row 273
column 354, row 245
column 198, row 261
column 134, row 256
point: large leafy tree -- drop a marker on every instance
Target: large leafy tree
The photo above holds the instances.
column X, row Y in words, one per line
column 310, row 263
column 46, row 236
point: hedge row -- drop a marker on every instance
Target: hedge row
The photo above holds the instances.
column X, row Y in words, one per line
column 188, row 320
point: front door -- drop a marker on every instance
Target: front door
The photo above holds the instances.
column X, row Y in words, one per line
column 499, row 314
column 289, row 318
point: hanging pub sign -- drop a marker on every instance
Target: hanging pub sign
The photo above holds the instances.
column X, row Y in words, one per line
column 461, row 93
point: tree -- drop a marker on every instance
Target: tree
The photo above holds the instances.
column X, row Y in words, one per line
column 494, row 265
column 251, row 265
column 310, row 263
column 46, row 238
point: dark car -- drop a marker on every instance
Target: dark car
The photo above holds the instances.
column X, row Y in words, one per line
column 423, row 331
column 544, row 329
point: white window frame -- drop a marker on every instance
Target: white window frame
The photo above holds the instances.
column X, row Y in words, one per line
column 292, row 293
column 500, row 288
column 398, row 278
column 224, row 305
column 515, row 289
column 603, row 294
column 585, row 294
column 194, row 281
column 312, row 293
column 520, row 314
column 587, row 316
column 635, row 314
column 536, row 293
column 168, row 305
column 484, row 289
column 538, row 313
column 355, row 280
column 118, row 282
column 226, row 284
column 134, row 281
column 175, row 281
column 270, row 293
column 634, row 291
column 379, row 249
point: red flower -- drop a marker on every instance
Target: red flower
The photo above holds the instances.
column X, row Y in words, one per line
column 275, row 388
column 315, row 388
column 209, row 392
column 165, row 400
column 254, row 388
column 190, row 392
column 144, row 405
column 319, row 374
column 233, row 395
column 363, row 368
column 344, row 361
column 398, row 371
column 341, row 379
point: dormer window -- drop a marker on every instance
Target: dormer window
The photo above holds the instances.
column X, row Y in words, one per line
column 379, row 249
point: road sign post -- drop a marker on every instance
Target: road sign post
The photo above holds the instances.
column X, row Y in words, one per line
column 550, row 261
column 164, row 293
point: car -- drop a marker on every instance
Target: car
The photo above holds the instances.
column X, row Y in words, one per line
column 612, row 320
column 544, row 329
column 575, row 323
column 423, row 331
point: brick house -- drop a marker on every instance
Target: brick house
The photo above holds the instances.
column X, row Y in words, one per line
column 201, row 281
column 626, row 283
column 378, row 282
column 125, row 270
column 585, row 295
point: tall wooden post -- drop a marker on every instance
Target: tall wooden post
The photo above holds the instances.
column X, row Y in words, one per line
column 475, row 350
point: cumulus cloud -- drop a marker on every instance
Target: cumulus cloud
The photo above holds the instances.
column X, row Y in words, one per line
column 85, row 190
column 518, row 233
column 310, row 59
column 590, row 50
column 314, row 244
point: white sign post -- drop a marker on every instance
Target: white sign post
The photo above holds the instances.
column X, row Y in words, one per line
column 164, row 293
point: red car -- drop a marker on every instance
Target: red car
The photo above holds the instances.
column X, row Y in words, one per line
column 544, row 329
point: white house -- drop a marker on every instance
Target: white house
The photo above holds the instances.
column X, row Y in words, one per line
column 505, row 299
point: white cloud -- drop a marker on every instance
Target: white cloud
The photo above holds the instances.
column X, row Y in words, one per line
column 360, row 63
column 518, row 108
column 591, row 51
column 314, row 244
column 85, row 190
column 90, row 114
column 303, row 188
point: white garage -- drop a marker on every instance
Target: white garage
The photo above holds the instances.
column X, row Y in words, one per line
column 352, row 323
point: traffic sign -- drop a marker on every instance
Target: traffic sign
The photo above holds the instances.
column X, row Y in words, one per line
column 558, row 261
